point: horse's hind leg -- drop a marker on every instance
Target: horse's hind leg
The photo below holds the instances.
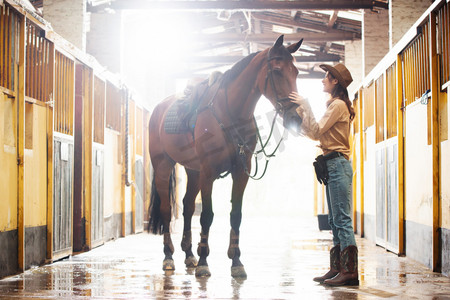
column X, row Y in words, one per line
column 192, row 190
column 162, row 175
column 240, row 180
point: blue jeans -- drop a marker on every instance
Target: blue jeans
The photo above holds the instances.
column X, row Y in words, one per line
column 339, row 196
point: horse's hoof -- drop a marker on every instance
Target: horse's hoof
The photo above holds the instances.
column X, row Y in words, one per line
column 168, row 265
column 190, row 262
column 238, row 272
column 202, row 271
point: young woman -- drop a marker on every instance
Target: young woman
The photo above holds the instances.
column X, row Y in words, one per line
column 333, row 132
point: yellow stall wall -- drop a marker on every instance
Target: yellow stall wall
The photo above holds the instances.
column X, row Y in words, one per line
column 445, row 176
column 35, row 165
column 369, row 184
column 113, row 174
column 8, row 164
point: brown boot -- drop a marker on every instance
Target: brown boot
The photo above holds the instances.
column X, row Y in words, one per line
column 335, row 254
column 348, row 274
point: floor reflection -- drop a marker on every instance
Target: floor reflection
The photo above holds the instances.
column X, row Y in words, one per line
column 280, row 265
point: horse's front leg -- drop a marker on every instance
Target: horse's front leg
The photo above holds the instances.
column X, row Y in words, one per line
column 240, row 180
column 188, row 210
column 206, row 219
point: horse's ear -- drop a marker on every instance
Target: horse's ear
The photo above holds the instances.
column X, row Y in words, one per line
column 279, row 41
column 294, row 47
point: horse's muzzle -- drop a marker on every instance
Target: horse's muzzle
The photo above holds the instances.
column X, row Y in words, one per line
column 291, row 120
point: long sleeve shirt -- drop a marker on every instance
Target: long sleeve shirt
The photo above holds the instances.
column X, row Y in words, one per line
column 333, row 129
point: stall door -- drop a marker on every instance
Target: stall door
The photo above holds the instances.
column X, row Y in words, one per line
column 139, row 169
column 380, row 164
column 387, row 204
column 97, row 196
column 62, row 196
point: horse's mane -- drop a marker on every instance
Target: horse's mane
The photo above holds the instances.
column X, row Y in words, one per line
column 237, row 68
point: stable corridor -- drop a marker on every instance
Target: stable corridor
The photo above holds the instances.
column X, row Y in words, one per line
column 281, row 256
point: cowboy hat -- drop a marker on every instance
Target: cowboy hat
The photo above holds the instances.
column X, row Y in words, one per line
column 340, row 72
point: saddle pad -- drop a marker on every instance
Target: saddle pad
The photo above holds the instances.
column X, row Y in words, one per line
column 175, row 120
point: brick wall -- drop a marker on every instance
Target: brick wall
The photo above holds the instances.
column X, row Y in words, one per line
column 375, row 38
column 353, row 62
column 68, row 19
column 104, row 39
column 403, row 14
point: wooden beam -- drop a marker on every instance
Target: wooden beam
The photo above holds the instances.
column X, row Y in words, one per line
column 295, row 23
column 251, row 5
column 333, row 19
column 400, row 156
column 20, row 107
column 50, row 128
column 435, row 140
column 361, row 160
column 225, row 60
column 272, row 37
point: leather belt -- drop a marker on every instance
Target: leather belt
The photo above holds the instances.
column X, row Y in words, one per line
column 333, row 155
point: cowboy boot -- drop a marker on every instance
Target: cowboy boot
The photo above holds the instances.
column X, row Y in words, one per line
column 335, row 254
column 348, row 274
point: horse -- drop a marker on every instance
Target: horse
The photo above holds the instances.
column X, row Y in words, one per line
column 222, row 140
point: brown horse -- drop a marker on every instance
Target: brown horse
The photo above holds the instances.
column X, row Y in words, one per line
column 223, row 140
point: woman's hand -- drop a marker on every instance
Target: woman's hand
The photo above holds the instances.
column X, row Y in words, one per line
column 296, row 98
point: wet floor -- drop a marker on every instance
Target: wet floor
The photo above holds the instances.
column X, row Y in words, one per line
column 281, row 256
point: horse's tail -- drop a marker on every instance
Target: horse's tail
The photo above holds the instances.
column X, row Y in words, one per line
column 155, row 224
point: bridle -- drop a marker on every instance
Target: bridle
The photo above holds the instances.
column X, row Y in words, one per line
column 281, row 104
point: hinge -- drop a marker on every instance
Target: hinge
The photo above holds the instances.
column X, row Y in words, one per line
column 49, row 102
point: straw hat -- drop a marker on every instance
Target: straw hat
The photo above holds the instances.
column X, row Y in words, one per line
column 340, row 72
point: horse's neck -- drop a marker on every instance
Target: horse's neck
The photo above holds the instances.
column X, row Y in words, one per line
column 243, row 93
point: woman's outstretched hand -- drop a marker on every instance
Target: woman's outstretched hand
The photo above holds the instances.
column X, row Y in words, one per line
column 296, row 98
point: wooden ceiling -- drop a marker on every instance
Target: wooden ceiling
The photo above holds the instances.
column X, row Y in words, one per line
column 235, row 28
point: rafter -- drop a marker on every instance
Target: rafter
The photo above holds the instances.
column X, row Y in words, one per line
column 333, row 19
column 251, row 5
column 271, row 37
column 294, row 23
column 228, row 60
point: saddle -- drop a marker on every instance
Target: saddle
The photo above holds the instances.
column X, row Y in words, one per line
column 182, row 114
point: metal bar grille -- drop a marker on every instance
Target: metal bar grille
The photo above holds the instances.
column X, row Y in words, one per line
column 444, row 41
column 368, row 105
column 139, row 129
column 113, row 107
column 9, row 23
column 99, row 110
column 37, row 82
column 64, row 94
column 391, row 101
column 416, row 76
column 379, row 105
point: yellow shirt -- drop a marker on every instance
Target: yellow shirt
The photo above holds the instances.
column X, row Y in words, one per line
column 333, row 130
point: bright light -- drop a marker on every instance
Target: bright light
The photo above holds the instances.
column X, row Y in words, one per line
column 212, row 30
column 282, row 29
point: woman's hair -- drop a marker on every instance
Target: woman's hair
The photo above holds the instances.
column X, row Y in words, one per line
column 340, row 92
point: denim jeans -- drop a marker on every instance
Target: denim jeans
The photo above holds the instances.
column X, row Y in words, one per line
column 339, row 196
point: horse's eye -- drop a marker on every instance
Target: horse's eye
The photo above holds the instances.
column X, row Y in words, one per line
column 277, row 71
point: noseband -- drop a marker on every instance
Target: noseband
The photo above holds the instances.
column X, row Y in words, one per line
column 282, row 104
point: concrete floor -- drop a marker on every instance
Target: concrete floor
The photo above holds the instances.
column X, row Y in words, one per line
column 281, row 256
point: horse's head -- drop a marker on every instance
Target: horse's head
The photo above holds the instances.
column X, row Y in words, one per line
column 278, row 79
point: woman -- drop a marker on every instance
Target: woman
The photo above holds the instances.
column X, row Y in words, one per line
column 333, row 132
